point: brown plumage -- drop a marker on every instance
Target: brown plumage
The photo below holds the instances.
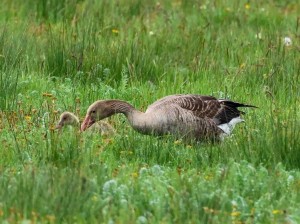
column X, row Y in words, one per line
column 68, row 118
column 185, row 116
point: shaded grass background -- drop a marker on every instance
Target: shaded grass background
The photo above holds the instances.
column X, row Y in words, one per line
column 63, row 55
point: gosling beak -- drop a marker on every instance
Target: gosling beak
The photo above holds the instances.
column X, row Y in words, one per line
column 58, row 126
column 88, row 121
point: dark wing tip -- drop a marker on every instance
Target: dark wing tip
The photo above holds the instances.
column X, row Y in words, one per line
column 235, row 104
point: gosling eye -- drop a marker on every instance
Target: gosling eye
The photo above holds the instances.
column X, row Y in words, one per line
column 93, row 111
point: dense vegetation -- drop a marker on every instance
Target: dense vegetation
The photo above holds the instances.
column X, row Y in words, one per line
column 64, row 54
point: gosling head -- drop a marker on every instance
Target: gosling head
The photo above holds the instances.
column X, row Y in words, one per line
column 67, row 118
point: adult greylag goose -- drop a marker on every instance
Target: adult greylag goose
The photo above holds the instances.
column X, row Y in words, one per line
column 186, row 116
column 68, row 118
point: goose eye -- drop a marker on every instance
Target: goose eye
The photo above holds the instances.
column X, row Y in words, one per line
column 93, row 111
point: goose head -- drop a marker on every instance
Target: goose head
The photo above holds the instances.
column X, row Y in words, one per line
column 97, row 111
column 67, row 118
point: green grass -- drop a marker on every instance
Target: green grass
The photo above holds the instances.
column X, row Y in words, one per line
column 64, row 55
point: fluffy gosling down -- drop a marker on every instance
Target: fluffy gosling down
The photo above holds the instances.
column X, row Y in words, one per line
column 185, row 116
column 68, row 118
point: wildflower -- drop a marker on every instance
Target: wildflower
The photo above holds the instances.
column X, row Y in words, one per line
column 242, row 65
column 179, row 170
column 47, row 94
column 141, row 219
column 208, row 177
column 276, row 212
column 247, row 6
column 143, row 171
column 210, row 210
column 234, row 203
column 77, row 100
column 123, row 201
column 52, row 128
column 95, row 198
column 156, row 170
column 115, row 31
column 177, row 142
column 27, row 118
column 258, row 36
column 151, row 33
column 51, row 218
column 135, row 174
column 287, row 41
column 290, row 179
column 109, row 185
column 203, row 7
column 235, row 213
column 34, row 214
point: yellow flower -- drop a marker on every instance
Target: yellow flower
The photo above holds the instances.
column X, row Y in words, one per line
column 51, row 218
column 276, row 212
column 247, row 6
column 252, row 211
column 77, row 100
column 177, row 142
column 208, row 177
column 47, row 94
column 235, row 213
column 242, row 65
column 135, row 174
column 115, row 31
column 209, row 210
column 95, row 198
column 27, row 118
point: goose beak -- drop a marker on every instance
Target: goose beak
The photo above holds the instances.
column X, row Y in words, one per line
column 58, row 126
column 88, row 121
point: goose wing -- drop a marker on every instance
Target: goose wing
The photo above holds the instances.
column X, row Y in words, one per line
column 219, row 110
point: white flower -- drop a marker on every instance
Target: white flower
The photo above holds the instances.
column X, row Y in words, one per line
column 151, row 33
column 123, row 202
column 156, row 170
column 141, row 219
column 110, row 221
column 203, row 7
column 234, row 203
column 143, row 171
column 110, row 186
column 290, row 179
column 287, row 41
column 258, row 36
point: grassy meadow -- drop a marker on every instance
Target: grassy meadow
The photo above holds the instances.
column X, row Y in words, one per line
column 58, row 55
